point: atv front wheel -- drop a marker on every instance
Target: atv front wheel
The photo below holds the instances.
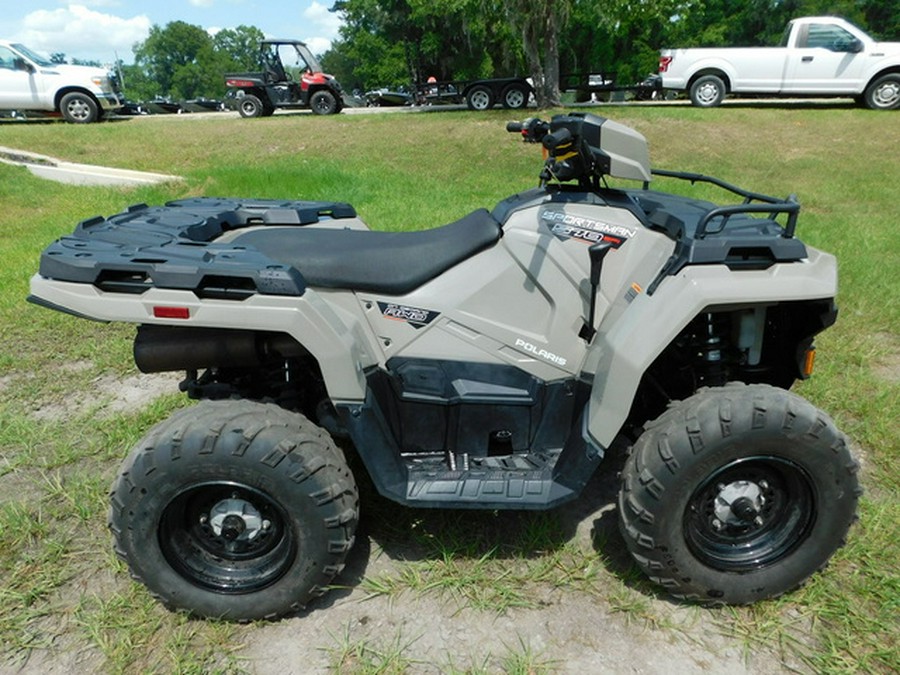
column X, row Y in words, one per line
column 234, row 509
column 737, row 494
column 323, row 103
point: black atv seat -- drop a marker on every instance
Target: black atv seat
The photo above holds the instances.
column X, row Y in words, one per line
column 393, row 263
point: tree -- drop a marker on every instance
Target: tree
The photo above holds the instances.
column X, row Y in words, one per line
column 540, row 23
column 180, row 59
column 240, row 46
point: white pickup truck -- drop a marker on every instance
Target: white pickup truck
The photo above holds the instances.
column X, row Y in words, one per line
column 819, row 56
column 31, row 83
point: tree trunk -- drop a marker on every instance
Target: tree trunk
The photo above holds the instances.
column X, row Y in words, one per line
column 541, row 22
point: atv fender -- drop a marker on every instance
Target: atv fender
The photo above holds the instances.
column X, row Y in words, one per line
column 624, row 350
column 332, row 335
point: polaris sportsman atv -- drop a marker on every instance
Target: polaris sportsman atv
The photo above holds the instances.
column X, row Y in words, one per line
column 488, row 363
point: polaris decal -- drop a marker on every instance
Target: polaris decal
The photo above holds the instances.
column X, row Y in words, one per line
column 567, row 226
column 415, row 317
column 542, row 353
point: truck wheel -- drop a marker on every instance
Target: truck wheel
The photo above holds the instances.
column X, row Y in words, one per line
column 884, row 93
column 79, row 108
column 323, row 103
column 250, row 106
column 707, row 91
column 514, row 96
column 234, row 509
column 737, row 494
column 480, row 98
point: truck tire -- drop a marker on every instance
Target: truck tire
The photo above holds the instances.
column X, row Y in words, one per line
column 79, row 108
column 707, row 91
column 737, row 494
column 234, row 509
column 323, row 102
column 884, row 93
column 480, row 97
column 514, row 96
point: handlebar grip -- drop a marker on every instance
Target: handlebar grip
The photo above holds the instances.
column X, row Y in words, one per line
column 514, row 127
column 556, row 138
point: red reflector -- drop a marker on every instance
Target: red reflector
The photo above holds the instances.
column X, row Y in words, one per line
column 172, row 312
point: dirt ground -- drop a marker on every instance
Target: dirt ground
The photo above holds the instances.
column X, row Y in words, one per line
column 567, row 630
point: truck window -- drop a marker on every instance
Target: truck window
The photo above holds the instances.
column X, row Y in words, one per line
column 832, row 38
column 786, row 36
column 7, row 59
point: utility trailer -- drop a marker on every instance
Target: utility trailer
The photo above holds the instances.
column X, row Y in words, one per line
column 596, row 85
column 511, row 92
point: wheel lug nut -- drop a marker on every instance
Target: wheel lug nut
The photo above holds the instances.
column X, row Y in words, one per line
column 717, row 524
column 763, row 485
column 758, row 521
column 266, row 524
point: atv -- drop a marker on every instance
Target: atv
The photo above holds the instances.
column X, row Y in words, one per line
column 487, row 364
column 291, row 78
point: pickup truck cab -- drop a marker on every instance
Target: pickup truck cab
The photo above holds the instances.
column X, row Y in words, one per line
column 31, row 83
column 819, row 56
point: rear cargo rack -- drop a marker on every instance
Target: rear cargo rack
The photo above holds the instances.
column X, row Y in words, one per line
column 173, row 246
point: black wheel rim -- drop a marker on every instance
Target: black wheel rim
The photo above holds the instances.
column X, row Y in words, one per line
column 749, row 514
column 229, row 538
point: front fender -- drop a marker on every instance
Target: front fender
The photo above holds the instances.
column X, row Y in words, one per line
column 627, row 348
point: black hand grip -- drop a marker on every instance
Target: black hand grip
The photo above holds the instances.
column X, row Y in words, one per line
column 514, row 127
column 557, row 138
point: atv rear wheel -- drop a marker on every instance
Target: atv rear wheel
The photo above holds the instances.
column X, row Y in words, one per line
column 737, row 494
column 234, row 509
column 251, row 106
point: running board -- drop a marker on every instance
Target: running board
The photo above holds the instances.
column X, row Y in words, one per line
column 513, row 481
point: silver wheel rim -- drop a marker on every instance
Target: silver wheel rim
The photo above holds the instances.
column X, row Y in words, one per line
column 78, row 109
column 515, row 98
column 707, row 93
column 480, row 100
column 887, row 94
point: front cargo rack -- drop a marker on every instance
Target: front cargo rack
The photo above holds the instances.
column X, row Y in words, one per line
column 707, row 233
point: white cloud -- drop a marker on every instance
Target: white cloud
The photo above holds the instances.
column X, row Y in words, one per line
column 318, row 45
column 202, row 3
column 81, row 32
column 325, row 23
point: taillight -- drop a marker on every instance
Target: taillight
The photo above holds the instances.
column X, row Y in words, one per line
column 164, row 312
column 664, row 62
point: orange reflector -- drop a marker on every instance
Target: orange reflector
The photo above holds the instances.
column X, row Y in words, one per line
column 172, row 312
column 809, row 361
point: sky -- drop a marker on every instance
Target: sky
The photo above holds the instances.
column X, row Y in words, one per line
column 100, row 29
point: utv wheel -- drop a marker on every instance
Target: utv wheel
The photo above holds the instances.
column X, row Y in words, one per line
column 884, row 93
column 250, row 106
column 737, row 494
column 323, row 103
column 480, row 98
column 234, row 509
column 514, row 97
column 79, row 108
column 707, row 91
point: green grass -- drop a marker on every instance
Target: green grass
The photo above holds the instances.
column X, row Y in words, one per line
column 60, row 583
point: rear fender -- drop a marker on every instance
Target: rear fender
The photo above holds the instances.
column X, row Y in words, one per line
column 332, row 335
